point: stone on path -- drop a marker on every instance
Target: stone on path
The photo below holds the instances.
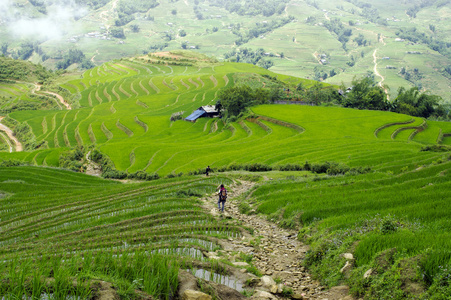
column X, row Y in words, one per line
column 267, row 281
column 368, row 273
column 195, row 295
column 347, row 267
column 241, row 264
column 348, row 256
column 262, row 295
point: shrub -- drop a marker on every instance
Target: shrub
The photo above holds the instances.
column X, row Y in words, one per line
column 388, row 226
column 290, row 167
column 114, row 174
column 436, row 148
column 12, row 163
column 257, row 167
column 177, row 116
column 73, row 160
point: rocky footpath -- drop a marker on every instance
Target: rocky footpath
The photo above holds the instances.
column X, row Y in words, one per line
column 275, row 252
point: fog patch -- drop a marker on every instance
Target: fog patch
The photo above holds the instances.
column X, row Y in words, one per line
column 53, row 25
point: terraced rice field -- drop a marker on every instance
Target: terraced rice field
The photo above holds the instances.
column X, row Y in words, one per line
column 370, row 215
column 125, row 107
column 69, row 218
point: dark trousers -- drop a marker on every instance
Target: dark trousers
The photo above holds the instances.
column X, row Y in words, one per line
column 219, row 204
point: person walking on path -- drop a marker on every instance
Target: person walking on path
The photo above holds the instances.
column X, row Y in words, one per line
column 207, row 171
column 222, row 197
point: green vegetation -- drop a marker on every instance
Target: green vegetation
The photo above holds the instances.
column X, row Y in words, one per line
column 265, row 7
column 372, row 215
column 11, row 69
column 332, row 41
column 72, row 57
column 352, row 181
column 134, row 236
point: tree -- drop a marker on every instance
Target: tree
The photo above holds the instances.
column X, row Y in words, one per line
column 182, row 33
column 4, row 48
column 135, row 28
column 365, row 94
column 235, row 99
column 415, row 103
column 118, row 33
column 174, row 12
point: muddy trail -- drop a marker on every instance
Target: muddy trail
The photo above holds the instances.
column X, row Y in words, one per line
column 276, row 253
column 18, row 145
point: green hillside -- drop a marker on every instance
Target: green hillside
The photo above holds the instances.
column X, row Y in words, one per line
column 67, row 226
column 402, row 43
column 371, row 183
column 125, row 109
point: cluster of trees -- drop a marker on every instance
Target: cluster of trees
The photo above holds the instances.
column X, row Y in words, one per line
column 266, row 8
column 247, row 55
column 117, row 33
column 39, row 5
column 365, row 94
column 261, row 28
column 160, row 47
column 130, row 7
column 412, row 76
column 415, row 36
column 367, row 11
column 11, row 69
column 26, row 50
column 93, row 4
column 236, row 99
column 447, row 69
column 322, row 74
column 336, row 26
column 72, row 57
column 413, row 102
column 198, row 12
column 412, row 11
column 361, row 40
column 123, row 19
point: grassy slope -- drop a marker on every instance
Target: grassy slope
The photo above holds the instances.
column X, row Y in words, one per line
column 126, row 106
column 301, row 42
column 91, row 223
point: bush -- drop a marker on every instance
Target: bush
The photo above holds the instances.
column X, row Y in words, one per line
column 114, row 174
column 142, row 175
column 73, row 160
column 12, row 163
column 257, row 167
column 290, row 167
column 436, row 148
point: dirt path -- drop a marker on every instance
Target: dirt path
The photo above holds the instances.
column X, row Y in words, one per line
column 92, row 168
column 60, row 98
column 11, row 136
column 277, row 252
column 6, row 139
column 92, row 58
column 103, row 14
column 326, row 16
column 376, row 72
column 37, row 88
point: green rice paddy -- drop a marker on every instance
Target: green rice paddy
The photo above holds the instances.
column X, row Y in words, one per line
column 123, row 109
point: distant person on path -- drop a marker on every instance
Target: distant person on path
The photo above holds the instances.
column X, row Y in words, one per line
column 222, row 197
column 207, row 171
